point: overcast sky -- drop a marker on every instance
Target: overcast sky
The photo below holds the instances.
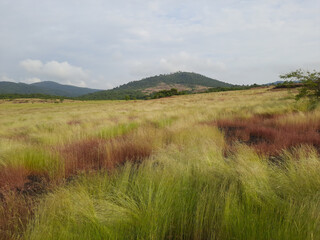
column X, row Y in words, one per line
column 104, row 43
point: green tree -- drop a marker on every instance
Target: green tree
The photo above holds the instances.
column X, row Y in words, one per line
column 310, row 81
column 127, row 97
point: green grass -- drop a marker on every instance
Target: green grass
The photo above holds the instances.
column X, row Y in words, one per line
column 118, row 130
column 190, row 194
column 190, row 187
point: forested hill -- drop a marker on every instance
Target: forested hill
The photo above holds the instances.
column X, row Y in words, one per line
column 183, row 81
column 46, row 87
column 189, row 80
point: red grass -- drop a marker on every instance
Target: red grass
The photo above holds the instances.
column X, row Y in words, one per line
column 13, row 177
column 96, row 154
column 82, row 155
column 19, row 187
column 15, row 212
column 269, row 137
column 74, row 122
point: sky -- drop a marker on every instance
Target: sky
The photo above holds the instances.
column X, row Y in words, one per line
column 103, row 44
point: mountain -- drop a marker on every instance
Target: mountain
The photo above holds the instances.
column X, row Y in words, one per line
column 64, row 90
column 46, row 87
column 182, row 81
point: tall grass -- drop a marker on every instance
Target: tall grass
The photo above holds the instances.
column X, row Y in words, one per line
column 98, row 154
column 119, row 130
column 193, row 193
column 158, row 170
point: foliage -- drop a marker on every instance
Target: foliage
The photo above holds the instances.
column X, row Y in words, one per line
column 310, row 83
column 288, row 84
column 114, row 94
column 166, row 93
column 33, row 95
column 234, row 88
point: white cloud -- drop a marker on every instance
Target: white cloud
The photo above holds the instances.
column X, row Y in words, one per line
column 33, row 66
column 182, row 61
column 61, row 71
column 140, row 33
column 32, row 80
column 4, row 78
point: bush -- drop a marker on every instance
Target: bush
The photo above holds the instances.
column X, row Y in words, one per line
column 310, row 83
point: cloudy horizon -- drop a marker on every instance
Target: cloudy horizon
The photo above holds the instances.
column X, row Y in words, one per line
column 103, row 44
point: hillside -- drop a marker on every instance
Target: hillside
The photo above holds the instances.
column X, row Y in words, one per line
column 183, row 81
column 19, row 88
column 46, row 87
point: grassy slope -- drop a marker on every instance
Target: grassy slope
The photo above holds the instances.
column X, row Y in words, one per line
column 187, row 189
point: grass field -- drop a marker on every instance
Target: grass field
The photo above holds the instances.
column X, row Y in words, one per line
column 228, row 165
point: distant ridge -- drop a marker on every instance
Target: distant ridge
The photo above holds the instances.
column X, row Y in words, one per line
column 46, row 87
column 183, row 81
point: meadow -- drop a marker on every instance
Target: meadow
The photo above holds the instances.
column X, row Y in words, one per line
column 227, row 165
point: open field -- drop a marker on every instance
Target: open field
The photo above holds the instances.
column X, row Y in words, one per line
column 227, row 165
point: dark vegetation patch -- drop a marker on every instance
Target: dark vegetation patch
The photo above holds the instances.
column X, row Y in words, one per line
column 268, row 136
column 288, row 85
column 167, row 93
column 19, row 191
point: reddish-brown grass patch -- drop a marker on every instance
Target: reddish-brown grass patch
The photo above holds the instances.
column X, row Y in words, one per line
column 18, row 189
column 15, row 212
column 96, row 154
column 268, row 136
column 74, row 122
column 82, row 155
column 12, row 177
column 22, row 180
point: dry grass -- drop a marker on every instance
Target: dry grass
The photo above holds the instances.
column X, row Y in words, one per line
column 267, row 136
column 15, row 212
column 13, row 177
column 97, row 154
column 74, row 122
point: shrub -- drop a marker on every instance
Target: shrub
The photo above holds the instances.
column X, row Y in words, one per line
column 310, row 83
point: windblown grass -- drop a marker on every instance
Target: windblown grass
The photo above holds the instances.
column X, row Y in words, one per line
column 158, row 170
column 190, row 194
